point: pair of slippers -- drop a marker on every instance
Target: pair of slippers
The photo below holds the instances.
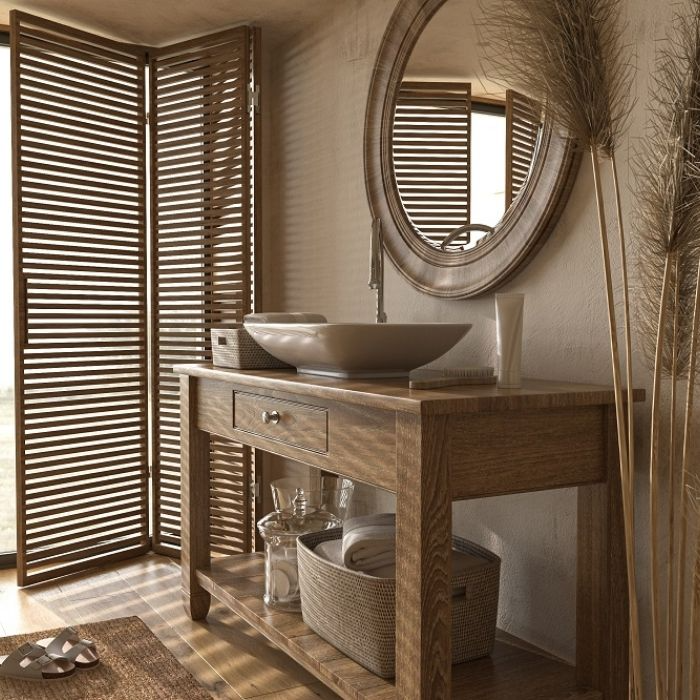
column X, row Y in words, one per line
column 50, row 659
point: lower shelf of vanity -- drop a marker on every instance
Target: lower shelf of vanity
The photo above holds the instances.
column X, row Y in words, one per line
column 512, row 672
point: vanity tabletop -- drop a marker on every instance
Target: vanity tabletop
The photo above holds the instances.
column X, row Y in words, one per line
column 394, row 394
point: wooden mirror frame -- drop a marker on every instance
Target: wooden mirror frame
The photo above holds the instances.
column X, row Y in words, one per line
column 525, row 225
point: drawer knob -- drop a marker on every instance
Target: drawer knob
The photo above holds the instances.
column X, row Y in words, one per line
column 271, row 417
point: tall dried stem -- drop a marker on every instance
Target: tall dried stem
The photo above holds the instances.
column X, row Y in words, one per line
column 568, row 54
column 695, row 628
column 654, row 482
column 627, row 324
column 692, row 495
column 671, row 678
column 688, row 492
column 685, row 492
column 627, row 494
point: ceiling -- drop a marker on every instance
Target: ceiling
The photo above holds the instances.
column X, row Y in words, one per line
column 452, row 47
column 159, row 22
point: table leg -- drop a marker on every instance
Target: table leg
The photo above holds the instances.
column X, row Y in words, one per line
column 602, row 608
column 423, row 550
column 195, row 501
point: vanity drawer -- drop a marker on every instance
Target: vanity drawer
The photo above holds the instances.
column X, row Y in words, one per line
column 297, row 424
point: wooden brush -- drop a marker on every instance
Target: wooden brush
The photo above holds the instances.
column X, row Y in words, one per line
column 453, row 376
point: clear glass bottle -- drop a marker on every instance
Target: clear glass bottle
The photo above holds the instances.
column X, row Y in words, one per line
column 322, row 491
column 280, row 530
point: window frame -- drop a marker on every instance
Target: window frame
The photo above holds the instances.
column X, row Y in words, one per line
column 8, row 560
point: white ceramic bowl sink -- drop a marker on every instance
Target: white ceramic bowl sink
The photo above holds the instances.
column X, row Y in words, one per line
column 357, row 350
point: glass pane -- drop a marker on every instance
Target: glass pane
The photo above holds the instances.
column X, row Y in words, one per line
column 7, row 425
column 488, row 169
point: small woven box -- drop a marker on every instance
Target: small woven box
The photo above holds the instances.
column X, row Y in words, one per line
column 356, row 613
column 235, row 348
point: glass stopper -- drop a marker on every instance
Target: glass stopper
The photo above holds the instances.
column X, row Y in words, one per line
column 299, row 503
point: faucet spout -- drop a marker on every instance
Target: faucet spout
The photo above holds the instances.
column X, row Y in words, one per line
column 376, row 268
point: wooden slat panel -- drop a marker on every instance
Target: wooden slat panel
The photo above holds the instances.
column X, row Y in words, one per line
column 79, row 197
column 432, row 131
column 522, row 130
column 201, row 269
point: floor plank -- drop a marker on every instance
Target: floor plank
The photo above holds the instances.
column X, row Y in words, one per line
column 224, row 653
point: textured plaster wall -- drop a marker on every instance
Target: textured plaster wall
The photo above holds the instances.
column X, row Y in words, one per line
column 316, row 228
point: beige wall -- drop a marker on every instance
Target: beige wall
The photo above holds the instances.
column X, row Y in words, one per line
column 317, row 226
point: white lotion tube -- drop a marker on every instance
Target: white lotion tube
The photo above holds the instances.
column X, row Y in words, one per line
column 509, row 339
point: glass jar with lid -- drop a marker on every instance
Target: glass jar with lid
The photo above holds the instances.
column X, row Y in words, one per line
column 280, row 530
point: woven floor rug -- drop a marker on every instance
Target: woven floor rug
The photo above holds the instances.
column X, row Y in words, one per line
column 135, row 666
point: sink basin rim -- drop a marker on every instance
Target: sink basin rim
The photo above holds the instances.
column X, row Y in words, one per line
column 332, row 349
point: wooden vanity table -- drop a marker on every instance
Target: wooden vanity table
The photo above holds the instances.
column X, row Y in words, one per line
column 430, row 448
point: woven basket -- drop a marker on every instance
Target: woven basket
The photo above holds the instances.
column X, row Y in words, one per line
column 235, row 348
column 356, row 613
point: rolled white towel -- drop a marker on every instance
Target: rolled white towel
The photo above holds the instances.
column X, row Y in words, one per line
column 369, row 542
column 461, row 564
column 285, row 317
column 368, row 520
column 331, row 550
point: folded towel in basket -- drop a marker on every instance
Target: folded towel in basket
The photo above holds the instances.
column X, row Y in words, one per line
column 332, row 551
column 369, row 542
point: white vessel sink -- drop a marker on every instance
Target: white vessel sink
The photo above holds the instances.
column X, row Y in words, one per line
column 357, row 350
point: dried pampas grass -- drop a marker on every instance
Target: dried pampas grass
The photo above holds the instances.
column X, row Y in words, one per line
column 568, row 55
column 669, row 252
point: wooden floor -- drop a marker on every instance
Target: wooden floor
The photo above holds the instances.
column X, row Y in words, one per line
column 225, row 654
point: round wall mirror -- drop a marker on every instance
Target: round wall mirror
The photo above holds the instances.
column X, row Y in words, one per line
column 465, row 174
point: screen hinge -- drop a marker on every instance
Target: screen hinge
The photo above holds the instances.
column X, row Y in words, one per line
column 254, row 98
column 255, row 489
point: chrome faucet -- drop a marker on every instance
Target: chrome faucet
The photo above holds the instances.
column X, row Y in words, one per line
column 376, row 268
column 467, row 228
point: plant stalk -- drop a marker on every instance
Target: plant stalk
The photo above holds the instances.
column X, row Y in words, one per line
column 695, row 628
column 654, row 484
column 683, row 538
column 671, row 678
column 627, row 496
column 627, row 322
column 627, row 327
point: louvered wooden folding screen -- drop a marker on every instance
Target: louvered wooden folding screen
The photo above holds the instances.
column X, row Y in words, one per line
column 201, row 258
column 432, row 131
column 80, row 267
column 522, row 129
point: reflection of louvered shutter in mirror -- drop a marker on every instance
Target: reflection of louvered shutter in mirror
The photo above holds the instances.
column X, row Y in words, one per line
column 523, row 121
column 82, row 260
column 432, row 131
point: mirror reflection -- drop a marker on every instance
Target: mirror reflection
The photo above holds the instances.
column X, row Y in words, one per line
column 463, row 145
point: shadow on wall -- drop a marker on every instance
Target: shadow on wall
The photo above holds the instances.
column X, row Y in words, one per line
column 319, row 84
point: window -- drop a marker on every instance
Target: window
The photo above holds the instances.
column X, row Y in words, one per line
column 488, row 165
column 460, row 160
column 7, row 358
